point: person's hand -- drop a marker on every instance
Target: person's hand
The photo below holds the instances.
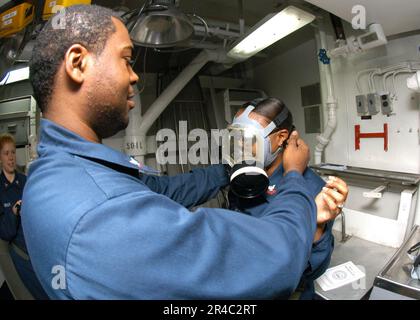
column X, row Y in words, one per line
column 16, row 207
column 296, row 155
column 330, row 202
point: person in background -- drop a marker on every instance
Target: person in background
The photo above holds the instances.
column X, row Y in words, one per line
column 11, row 189
column 329, row 196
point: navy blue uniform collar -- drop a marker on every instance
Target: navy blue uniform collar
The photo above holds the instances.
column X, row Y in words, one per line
column 55, row 138
column 5, row 183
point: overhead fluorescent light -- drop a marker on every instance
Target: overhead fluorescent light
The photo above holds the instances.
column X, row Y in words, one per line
column 269, row 30
column 15, row 76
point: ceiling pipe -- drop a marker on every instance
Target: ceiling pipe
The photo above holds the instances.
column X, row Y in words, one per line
column 241, row 17
column 134, row 144
column 216, row 31
column 222, row 24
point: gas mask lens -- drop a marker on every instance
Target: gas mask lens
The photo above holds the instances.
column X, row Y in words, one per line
column 243, row 150
column 247, row 149
column 245, row 146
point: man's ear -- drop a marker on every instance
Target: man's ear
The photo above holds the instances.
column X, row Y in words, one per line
column 281, row 137
column 76, row 62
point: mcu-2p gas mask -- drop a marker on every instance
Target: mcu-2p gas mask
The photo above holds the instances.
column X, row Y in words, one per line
column 247, row 150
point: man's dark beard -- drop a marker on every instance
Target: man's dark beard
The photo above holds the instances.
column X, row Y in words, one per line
column 107, row 121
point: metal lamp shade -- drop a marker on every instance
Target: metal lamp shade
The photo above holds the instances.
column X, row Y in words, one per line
column 161, row 28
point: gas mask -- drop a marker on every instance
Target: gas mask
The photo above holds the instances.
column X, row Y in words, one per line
column 247, row 150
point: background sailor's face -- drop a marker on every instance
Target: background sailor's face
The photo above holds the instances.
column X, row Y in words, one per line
column 111, row 89
column 8, row 157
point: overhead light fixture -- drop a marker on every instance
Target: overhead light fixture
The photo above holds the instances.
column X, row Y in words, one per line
column 160, row 24
column 269, row 30
column 16, row 74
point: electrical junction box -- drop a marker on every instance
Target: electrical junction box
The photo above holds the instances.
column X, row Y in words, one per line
column 373, row 103
column 361, row 105
column 50, row 4
column 373, row 38
column 15, row 19
column 386, row 103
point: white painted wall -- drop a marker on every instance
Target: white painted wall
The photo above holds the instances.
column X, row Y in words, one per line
column 403, row 153
column 404, row 149
column 282, row 77
column 395, row 16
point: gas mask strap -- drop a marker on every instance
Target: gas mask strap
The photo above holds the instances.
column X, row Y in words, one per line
column 278, row 120
column 268, row 129
column 281, row 117
column 246, row 112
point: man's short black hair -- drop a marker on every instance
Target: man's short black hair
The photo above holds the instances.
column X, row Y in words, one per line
column 271, row 108
column 87, row 25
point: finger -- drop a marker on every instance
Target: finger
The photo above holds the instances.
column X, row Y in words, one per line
column 296, row 133
column 337, row 196
column 302, row 144
column 332, row 205
column 293, row 139
column 338, row 184
column 337, row 181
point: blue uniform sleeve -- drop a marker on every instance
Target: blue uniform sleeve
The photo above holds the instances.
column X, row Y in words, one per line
column 318, row 262
column 8, row 224
column 190, row 189
column 322, row 249
column 321, row 254
column 157, row 249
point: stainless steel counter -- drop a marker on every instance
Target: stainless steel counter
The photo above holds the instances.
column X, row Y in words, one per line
column 370, row 256
column 395, row 277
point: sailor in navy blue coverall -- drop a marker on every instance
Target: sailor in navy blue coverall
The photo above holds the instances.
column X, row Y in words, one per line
column 10, row 224
column 265, row 111
column 119, row 235
column 104, row 231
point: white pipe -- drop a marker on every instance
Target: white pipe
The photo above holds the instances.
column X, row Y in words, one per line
column 359, row 74
column 134, row 142
column 222, row 25
column 222, row 33
column 160, row 104
column 135, row 139
column 331, row 101
column 385, row 76
column 241, row 17
column 372, row 86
